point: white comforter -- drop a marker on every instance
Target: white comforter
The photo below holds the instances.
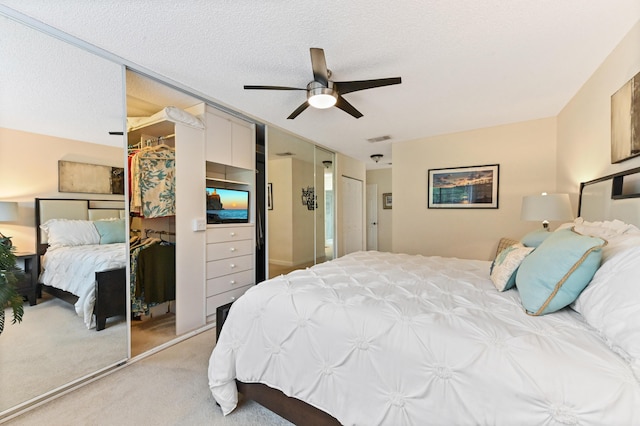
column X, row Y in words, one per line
column 376, row 338
column 73, row 269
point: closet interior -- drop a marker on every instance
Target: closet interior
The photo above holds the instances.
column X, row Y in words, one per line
column 192, row 175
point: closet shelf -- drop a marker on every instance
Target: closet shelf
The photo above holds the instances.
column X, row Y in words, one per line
column 235, row 182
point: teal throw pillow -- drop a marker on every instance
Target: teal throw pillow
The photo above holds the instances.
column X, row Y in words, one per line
column 557, row 271
column 535, row 238
column 111, row 231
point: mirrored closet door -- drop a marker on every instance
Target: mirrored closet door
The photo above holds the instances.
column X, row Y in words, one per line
column 300, row 203
column 58, row 103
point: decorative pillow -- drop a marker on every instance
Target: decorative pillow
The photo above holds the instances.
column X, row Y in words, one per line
column 68, row 232
column 503, row 269
column 611, row 303
column 555, row 273
column 504, row 243
column 111, row 231
column 535, row 238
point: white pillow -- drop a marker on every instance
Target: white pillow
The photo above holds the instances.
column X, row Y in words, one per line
column 611, row 303
column 619, row 235
column 67, row 232
column 503, row 269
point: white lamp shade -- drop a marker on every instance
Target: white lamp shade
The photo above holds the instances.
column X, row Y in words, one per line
column 8, row 211
column 546, row 207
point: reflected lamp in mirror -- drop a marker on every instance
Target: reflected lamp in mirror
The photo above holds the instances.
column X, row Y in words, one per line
column 546, row 207
column 8, row 213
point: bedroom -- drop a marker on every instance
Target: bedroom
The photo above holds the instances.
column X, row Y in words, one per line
column 570, row 146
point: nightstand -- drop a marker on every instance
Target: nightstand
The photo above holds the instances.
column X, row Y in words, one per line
column 28, row 286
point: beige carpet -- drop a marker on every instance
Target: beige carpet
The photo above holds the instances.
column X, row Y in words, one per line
column 167, row 388
column 52, row 347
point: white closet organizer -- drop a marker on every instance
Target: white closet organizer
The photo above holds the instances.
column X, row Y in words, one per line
column 230, row 163
column 185, row 132
column 230, row 263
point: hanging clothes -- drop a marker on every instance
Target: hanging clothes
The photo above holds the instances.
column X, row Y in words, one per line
column 138, row 305
column 153, row 182
column 156, row 273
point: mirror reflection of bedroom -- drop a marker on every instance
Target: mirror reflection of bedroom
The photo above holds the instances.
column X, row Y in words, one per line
column 152, row 110
column 300, row 207
column 51, row 118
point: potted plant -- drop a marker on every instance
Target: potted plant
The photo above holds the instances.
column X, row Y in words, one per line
column 10, row 274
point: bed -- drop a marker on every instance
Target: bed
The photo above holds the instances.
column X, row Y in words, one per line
column 82, row 255
column 379, row 338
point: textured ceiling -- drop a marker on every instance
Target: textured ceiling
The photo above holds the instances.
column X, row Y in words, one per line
column 464, row 64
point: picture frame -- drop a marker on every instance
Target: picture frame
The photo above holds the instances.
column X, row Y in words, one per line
column 469, row 187
column 269, row 196
column 625, row 121
column 387, row 200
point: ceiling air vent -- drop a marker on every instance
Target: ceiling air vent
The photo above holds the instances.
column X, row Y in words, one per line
column 379, row 139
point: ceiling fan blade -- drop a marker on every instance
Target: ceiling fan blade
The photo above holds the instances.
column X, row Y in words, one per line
column 347, row 107
column 271, row 88
column 353, row 86
column 298, row 110
column 319, row 66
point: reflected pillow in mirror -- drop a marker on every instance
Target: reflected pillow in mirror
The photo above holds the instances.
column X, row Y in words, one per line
column 70, row 232
column 111, row 231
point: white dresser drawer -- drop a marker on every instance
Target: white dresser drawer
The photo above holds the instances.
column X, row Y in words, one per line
column 222, row 299
column 229, row 233
column 218, row 268
column 229, row 249
column 229, row 282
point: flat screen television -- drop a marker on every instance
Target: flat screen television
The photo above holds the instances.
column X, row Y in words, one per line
column 227, row 205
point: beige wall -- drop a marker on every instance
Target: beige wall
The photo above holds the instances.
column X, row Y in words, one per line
column 584, row 125
column 352, row 168
column 29, row 169
column 382, row 178
column 526, row 155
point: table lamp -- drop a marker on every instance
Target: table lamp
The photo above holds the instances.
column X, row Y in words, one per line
column 546, row 207
column 8, row 213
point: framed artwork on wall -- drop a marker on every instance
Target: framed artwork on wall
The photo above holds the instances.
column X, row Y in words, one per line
column 625, row 121
column 472, row 187
column 387, row 200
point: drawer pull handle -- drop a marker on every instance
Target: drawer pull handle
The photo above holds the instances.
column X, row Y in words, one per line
column 233, row 234
column 232, row 249
column 232, row 298
column 233, row 265
column 232, row 282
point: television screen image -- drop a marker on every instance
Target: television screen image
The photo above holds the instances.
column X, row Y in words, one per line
column 227, row 205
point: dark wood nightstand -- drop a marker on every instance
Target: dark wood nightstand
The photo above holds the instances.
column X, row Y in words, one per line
column 28, row 286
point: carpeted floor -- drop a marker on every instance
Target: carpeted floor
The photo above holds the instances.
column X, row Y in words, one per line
column 52, row 347
column 167, row 388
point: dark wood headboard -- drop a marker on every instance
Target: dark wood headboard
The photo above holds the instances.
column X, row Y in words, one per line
column 612, row 197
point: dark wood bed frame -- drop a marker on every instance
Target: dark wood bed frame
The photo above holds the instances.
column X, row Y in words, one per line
column 111, row 285
column 301, row 413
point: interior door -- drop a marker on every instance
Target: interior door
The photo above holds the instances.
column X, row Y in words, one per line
column 352, row 214
column 372, row 216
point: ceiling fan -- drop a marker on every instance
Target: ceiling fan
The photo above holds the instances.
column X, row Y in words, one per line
column 324, row 93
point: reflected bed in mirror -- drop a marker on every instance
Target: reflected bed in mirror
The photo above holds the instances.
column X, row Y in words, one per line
column 83, row 255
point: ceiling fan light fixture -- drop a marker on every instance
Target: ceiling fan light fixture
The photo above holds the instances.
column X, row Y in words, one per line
column 321, row 97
